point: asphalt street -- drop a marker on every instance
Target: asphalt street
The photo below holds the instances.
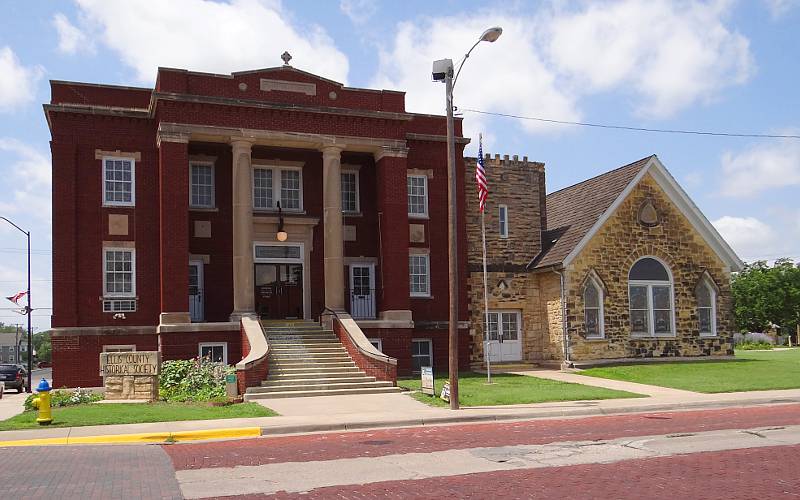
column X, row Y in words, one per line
column 724, row 453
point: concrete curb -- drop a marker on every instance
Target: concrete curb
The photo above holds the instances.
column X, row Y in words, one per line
column 572, row 412
column 143, row 438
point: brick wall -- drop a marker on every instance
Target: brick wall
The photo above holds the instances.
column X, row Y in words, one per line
column 185, row 345
column 76, row 359
column 381, row 370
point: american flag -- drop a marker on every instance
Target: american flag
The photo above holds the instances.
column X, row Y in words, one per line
column 480, row 176
column 16, row 297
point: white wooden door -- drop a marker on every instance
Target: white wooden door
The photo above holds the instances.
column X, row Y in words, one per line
column 505, row 343
column 196, row 309
column 362, row 291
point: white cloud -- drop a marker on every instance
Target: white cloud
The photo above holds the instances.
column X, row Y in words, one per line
column 669, row 54
column 506, row 76
column 750, row 238
column 71, row 39
column 28, row 178
column 17, row 82
column 761, row 167
column 359, row 11
column 202, row 35
column 779, row 8
column 666, row 55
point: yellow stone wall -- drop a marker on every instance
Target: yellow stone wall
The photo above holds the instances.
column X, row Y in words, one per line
column 611, row 253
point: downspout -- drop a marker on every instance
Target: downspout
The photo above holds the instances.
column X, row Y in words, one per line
column 564, row 331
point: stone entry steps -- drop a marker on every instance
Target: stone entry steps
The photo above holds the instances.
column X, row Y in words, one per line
column 305, row 360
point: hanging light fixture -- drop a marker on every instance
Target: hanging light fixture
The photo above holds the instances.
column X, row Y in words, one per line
column 282, row 235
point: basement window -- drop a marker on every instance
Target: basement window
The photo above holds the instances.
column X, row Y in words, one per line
column 215, row 351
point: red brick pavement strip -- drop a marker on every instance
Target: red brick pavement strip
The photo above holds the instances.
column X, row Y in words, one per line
column 382, row 442
column 755, row 473
column 87, row 472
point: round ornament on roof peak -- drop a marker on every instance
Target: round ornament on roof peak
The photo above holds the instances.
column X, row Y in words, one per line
column 648, row 215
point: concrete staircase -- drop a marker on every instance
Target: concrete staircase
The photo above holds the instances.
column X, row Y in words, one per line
column 305, row 360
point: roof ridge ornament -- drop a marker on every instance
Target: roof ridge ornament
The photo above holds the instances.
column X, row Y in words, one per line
column 286, row 56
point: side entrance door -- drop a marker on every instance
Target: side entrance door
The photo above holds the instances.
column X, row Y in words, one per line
column 505, row 344
column 279, row 291
column 362, row 291
column 196, row 306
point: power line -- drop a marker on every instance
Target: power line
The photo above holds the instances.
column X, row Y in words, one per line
column 634, row 129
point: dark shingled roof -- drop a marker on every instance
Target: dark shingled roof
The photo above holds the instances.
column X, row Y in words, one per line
column 572, row 211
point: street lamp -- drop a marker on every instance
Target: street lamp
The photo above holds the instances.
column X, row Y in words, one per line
column 28, row 309
column 281, row 235
column 443, row 71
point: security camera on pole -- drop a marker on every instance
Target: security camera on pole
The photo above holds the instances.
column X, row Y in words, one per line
column 443, row 71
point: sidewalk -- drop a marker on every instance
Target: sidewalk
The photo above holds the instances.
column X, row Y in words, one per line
column 302, row 415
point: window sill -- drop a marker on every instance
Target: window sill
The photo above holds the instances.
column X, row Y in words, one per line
column 421, row 296
column 595, row 339
column 284, row 211
column 352, row 214
column 419, row 217
column 203, row 209
column 127, row 205
column 653, row 337
column 708, row 335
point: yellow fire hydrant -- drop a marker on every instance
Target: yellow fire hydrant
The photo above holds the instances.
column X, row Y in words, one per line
column 42, row 403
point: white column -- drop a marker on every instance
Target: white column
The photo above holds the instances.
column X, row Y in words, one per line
column 243, row 299
column 332, row 217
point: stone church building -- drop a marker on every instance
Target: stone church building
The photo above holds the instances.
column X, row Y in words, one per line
column 618, row 267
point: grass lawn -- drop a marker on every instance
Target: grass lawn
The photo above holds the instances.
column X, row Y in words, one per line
column 509, row 389
column 750, row 371
column 134, row 413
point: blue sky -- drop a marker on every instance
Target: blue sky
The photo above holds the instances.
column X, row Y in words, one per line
column 719, row 65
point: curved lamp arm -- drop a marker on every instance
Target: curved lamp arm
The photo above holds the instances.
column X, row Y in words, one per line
column 490, row 35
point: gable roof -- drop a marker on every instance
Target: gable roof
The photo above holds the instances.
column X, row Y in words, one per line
column 576, row 213
column 572, row 211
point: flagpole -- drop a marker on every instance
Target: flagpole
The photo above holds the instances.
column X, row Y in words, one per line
column 486, row 306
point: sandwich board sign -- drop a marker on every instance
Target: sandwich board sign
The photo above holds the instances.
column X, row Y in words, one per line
column 445, row 392
column 427, row 380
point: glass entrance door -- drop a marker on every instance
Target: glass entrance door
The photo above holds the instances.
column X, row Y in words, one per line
column 279, row 291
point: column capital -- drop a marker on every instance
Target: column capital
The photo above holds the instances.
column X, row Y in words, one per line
column 332, row 150
column 242, row 142
column 391, row 152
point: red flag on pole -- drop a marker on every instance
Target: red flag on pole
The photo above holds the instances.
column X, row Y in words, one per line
column 16, row 297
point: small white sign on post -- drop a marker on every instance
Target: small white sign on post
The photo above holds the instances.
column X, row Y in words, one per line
column 426, row 372
column 445, row 392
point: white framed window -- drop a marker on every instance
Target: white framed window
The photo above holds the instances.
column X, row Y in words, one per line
column 651, row 299
column 215, row 351
column 119, row 348
column 502, row 218
column 706, row 309
column 377, row 343
column 419, row 275
column 273, row 184
column 119, row 276
column 11, row 358
column 421, row 354
column 119, row 305
column 594, row 321
column 417, row 196
column 119, row 182
column 201, row 185
column 350, row 195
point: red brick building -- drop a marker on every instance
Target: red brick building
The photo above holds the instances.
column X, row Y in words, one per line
column 167, row 231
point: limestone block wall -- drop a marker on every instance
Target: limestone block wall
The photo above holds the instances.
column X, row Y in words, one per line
column 552, row 316
column 621, row 241
column 520, row 185
column 508, row 291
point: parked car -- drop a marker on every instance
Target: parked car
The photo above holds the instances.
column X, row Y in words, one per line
column 13, row 376
column 44, row 364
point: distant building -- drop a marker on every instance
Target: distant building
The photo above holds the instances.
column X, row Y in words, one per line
column 12, row 344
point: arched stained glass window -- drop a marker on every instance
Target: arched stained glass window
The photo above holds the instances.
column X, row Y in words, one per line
column 593, row 309
column 706, row 308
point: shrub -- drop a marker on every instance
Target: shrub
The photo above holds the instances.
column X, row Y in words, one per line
column 749, row 346
column 66, row 397
column 192, row 380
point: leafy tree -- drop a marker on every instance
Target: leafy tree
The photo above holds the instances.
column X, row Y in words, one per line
column 763, row 295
